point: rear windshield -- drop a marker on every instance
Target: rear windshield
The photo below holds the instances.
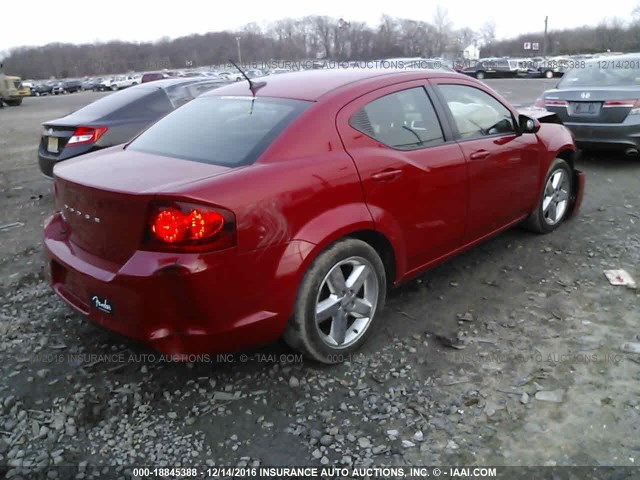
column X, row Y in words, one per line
column 228, row 131
column 607, row 72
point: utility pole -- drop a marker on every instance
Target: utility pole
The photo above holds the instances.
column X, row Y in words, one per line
column 239, row 54
column 544, row 45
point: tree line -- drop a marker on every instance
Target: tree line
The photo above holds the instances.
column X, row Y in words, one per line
column 310, row 37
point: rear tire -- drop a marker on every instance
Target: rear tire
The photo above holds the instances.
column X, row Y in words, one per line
column 554, row 204
column 548, row 74
column 339, row 301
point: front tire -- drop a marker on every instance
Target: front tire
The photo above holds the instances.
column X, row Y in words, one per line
column 555, row 200
column 480, row 75
column 338, row 302
column 548, row 74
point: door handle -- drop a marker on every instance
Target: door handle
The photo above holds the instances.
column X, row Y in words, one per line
column 480, row 154
column 387, row 175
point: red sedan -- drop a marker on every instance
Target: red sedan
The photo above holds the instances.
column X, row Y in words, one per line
column 288, row 208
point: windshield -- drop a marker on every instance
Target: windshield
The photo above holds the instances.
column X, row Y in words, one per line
column 603, row 73
column 227, row 131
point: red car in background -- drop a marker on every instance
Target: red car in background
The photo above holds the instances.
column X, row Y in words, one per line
column 287, row 207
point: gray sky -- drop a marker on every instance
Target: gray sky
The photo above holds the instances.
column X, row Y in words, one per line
column 135, row 20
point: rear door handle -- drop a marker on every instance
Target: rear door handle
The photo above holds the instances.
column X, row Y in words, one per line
column 479, row 154
column 387, row 175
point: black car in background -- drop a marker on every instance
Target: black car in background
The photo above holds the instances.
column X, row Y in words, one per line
column 44, row 88
column 66, row 86
column 72, row 86
column 599, row 101
column 490, row 68
column 115, row 119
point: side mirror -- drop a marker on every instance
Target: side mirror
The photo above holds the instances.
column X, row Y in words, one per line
column 528, row 124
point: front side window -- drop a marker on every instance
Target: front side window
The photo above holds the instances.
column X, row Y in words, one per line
column 476, row 113
column 403, row 120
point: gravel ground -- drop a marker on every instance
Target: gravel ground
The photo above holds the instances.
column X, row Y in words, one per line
column 510, row 354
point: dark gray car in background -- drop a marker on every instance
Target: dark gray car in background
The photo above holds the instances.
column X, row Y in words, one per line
column 115, row 119
column 599, row 101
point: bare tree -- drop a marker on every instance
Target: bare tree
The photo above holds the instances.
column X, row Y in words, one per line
column 463, row 38
column 388, row 38
column 323, row 28
column 442, row 25
column 308, row 37
column 488, row 32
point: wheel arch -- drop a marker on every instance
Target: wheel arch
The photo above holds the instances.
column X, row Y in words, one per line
column 568, row 156
column 381, row 244
column 357, row 220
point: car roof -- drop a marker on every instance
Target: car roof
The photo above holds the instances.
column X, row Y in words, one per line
column 626, row 56
column 168, row 82
column 313, row 84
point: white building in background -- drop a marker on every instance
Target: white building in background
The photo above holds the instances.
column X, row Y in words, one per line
column 472, row 52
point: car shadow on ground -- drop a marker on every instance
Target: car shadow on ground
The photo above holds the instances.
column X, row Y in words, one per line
column 596, row 161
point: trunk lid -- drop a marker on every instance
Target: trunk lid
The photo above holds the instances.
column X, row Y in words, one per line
column 104, row 197
column 592, row 104
column 55, row 136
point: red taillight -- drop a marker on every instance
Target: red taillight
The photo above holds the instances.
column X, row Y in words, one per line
column 634, row 105
column 86, row 135
column 189, row 227
column 555, row 103
column 544, row 103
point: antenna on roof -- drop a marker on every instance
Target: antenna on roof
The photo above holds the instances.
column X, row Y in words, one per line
column 254, row 87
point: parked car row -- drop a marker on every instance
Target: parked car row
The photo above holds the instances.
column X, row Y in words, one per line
column 512, row 67
column 56, row 87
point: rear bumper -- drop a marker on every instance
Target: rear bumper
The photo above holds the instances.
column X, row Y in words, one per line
column 617, row 137
column 179, row 304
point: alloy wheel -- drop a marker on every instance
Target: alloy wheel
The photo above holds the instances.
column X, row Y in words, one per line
column 346, row 302
column 556, row 197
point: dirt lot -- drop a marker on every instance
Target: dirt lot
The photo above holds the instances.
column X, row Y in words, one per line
column 541, row 379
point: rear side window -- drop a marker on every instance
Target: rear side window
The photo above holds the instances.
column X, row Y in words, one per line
column 228, row 131
column 403, row 120
column 152, row 105
column 109, row 104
